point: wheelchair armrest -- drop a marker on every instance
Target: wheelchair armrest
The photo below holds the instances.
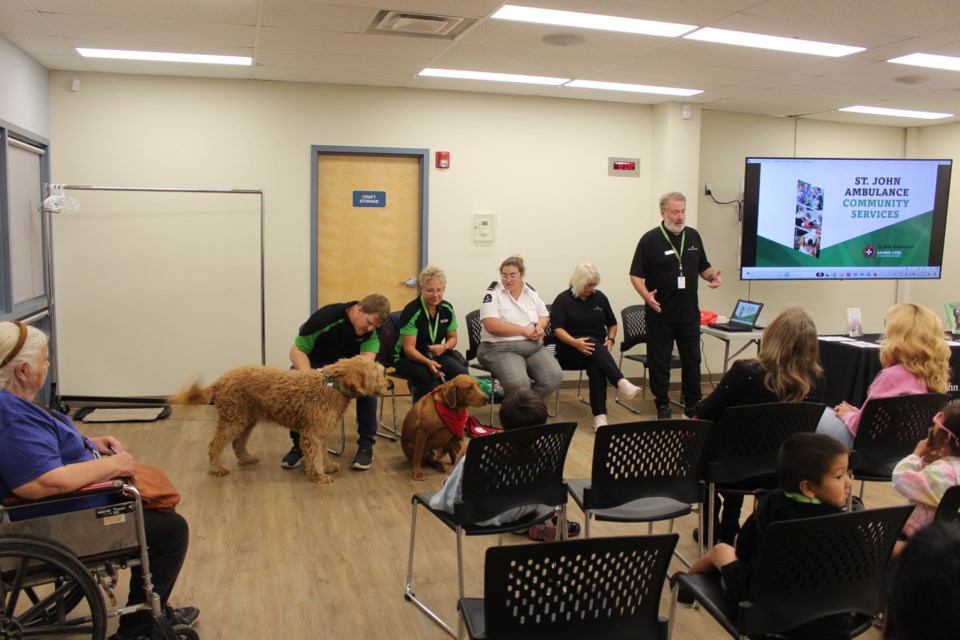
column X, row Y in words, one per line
column 98, row 488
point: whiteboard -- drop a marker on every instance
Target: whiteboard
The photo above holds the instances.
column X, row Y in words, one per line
column 152, row 290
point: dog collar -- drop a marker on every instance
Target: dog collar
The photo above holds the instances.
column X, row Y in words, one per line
column 333, row 384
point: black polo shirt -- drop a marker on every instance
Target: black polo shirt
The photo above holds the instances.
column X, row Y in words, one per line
column 580, row 318
column 328, row 335
column 655, row 260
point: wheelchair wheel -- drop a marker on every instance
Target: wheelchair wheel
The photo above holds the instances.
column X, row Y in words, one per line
column 47, row 592
column 185, row 633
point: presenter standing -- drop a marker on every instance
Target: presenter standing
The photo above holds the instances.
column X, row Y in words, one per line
column 664, row 272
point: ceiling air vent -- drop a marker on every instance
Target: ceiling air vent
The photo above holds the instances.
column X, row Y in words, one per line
column 418, row 25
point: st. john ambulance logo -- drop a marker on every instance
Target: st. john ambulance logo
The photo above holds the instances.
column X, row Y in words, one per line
column 869, row 251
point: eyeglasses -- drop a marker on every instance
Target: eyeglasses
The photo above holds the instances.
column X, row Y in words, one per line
column 938, row 424
column 433, row 292
column 509, row 276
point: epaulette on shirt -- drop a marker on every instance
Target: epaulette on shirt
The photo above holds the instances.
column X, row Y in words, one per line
column 488, row 296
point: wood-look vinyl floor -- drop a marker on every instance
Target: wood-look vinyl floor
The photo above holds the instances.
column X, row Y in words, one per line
column 273, row 555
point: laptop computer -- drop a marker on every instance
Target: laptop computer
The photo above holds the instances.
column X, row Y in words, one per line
column 743, row 318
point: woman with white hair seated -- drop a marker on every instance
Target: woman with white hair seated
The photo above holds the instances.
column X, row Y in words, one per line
column 585, row 329
column 43, row 454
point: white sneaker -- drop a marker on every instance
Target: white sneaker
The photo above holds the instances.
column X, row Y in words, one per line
column 627, row 389
column 599, row 421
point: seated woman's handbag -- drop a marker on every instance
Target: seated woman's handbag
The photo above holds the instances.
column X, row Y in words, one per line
column 156, row 490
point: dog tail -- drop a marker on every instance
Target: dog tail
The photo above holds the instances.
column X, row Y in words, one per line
column 194, row 394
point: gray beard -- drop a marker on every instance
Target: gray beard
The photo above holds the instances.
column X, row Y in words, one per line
column 673, row 229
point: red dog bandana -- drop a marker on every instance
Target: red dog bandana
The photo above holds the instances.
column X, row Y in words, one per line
column 454, row 420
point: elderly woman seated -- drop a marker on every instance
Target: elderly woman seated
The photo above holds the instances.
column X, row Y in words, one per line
column 585, row 328
column 45, row 455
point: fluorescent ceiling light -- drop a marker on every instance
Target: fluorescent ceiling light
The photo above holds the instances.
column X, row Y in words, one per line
column 760, row 41
column 493, row 77
column 897, row 113
column 929, row 60
column 636, row 88
column 160, row 56
column 591, row 21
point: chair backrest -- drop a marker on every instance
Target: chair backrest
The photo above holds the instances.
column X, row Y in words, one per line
column 514, row 468
column 748, row 438
column 815, row 567
column 891, row 427
column 594, row 588
column 389, row 334
column 949, row 508
column 474, row 327
column 661, row 458
column 633, row 324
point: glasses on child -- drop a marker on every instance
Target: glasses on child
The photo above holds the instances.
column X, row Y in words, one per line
column 938, row 424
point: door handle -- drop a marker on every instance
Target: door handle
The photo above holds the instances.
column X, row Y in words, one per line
column 410, row 283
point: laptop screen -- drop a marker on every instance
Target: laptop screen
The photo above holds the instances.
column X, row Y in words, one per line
column 746, row 312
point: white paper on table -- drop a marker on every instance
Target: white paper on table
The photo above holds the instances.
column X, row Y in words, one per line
column 835, row 339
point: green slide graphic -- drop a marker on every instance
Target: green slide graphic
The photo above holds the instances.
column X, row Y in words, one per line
column 889, row 250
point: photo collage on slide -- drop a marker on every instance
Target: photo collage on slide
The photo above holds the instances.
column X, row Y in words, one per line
column 809, row 219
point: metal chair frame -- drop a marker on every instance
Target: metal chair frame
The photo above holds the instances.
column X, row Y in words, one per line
column 646, row 471
column 805, row 570
column 501, row 471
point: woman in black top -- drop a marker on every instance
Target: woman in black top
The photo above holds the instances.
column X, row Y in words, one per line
column 787, row 369
column 585, row 327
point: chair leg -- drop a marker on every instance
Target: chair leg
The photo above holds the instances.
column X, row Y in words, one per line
column 409, row 595
column 385, row 431
column 711, row 498
column 343, row 438
column 580, row 390
column 556, row 410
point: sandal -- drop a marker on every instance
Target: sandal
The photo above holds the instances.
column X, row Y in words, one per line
column 548, row 532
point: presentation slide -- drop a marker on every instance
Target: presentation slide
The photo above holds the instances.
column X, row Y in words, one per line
column 848, row 218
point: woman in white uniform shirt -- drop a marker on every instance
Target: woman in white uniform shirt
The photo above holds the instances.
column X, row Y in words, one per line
column 514, row 318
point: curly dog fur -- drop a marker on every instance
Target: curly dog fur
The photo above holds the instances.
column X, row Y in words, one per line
column 424, row 433
column 300, row 401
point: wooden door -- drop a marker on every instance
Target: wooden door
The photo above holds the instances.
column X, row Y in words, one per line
column 369, row 209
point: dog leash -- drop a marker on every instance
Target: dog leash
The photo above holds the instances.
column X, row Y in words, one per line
column 332, row 383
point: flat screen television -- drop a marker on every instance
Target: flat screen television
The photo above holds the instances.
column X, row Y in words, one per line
column 843, row 218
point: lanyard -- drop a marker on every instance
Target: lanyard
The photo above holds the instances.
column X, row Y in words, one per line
column 683, row 239
column 436, row 324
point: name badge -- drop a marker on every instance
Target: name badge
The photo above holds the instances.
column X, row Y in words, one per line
column 681, row 282
column 668, row 252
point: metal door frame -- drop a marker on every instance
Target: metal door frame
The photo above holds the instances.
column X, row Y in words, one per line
column 316, row 151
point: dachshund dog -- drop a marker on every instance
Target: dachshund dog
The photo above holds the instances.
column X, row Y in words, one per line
column 308, row 402
column 425, row 436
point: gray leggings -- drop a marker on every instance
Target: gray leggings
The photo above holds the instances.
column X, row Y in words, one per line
column 521, row 364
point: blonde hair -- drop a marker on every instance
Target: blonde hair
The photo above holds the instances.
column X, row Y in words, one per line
column 377, row 305
column 29, row 353
column 432, row 273
column 914, row 338
column 583, row 274
column 514, row 261
column 790, row 355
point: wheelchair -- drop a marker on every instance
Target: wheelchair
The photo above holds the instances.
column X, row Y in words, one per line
column 58, row 571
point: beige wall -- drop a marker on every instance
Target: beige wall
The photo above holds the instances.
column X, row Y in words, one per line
column 539, row 164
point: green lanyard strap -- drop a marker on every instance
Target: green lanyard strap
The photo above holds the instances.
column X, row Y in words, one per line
column 683, row 239
column 436, row 324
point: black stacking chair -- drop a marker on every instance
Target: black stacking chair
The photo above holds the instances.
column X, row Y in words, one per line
column 746, row 441
column 644, row 472
column 474, row 326
column 601, row 588
column 502, row 471
column 633, row 323
column 889, row 430
column 949, row 508
column 806, row 570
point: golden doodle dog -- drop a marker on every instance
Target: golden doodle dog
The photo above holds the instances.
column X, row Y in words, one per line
column 426, row 437
column 308, row 402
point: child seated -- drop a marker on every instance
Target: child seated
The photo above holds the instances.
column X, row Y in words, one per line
column 813, row 479
column 521, row 408
column 931, row 469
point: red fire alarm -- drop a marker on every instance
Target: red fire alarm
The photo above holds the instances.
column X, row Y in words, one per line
column 443, row 159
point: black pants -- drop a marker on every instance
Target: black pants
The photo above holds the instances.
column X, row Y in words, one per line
column 661, row 337
column 726, row 517
column 422, row 380
column 168, row 537
column 600, row 367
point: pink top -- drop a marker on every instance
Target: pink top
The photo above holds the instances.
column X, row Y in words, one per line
column 896, row 380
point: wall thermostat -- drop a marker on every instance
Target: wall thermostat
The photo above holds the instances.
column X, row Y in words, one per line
column 484, row 227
